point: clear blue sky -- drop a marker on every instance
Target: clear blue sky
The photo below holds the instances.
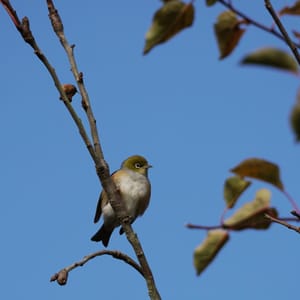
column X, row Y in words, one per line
column 194, row 117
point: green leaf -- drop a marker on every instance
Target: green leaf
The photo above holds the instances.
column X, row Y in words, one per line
column 233, row 188
column 169, row 20
column 291, row 10
column 272, row 57
column 259, row 169
column 211, row 2
column 228, row 32
column 252, row 214
column 207, row 251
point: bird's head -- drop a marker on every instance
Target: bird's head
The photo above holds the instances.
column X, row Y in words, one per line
column 137, row 164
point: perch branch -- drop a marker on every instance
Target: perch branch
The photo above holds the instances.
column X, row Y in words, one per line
column 101, row 166
column 96, row 153
column 62, row 276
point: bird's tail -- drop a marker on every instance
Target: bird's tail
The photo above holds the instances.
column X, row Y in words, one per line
column 103, row 234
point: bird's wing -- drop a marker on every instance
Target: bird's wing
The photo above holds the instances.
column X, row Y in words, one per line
column 99, row 208
column 103, row 200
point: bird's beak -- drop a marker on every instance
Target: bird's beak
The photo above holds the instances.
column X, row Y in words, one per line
column 148, row 166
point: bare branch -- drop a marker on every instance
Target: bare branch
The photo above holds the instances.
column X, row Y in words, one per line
column 287, row 225
column 296, row 214
column 95, row 151
column 279, row 24
column 101, row 166
column 62, row 276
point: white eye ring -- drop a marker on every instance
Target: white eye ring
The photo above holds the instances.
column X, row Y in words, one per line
column 137, row 165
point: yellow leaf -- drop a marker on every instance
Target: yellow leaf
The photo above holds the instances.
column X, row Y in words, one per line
column 228, row 32
column 233, row 188
column 252, row 214
column 207, row 251
column 170, row 19
column 272, row 57
column 259, row 169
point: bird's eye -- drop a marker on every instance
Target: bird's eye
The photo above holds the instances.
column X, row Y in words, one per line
column 137, row 165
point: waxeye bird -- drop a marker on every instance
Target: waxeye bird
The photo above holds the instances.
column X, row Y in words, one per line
column 135, row 189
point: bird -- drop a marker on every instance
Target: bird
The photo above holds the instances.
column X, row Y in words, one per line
column 135, row 189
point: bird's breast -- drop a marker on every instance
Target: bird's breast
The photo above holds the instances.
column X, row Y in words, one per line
column 135, row 191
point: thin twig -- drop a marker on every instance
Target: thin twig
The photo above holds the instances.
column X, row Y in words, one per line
column 62, row 276
column 280, row 26
column 283, row 223
column 24, row 29
column 249, row 20
column 296, row 214
column 224, row 226
column 202, row 227
column 292, row 201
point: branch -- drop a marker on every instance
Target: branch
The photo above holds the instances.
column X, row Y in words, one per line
column 296, row 214
column 62, row 276
column 284, row 33
column 101, row 166
column 202, row 227
column 253, row 22
column 95, row 151
column 287, row 225
column 223, row 226
column 24, row 29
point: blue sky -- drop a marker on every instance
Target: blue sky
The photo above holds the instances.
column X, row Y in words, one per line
column 194, row 117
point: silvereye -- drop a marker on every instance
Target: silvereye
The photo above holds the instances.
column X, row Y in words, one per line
column 135, row 189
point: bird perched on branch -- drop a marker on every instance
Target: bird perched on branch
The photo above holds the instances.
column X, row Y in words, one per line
column 135, row 189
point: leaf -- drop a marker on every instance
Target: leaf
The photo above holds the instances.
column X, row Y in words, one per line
column 295, row 119
column 210, row 247
column 169, row 20
column 233, row 187
column 252, row 214
column 228, row 32
column 272, row 57
column 296, row 34
column 211, row 2
column 259, row 169
column 291, row 10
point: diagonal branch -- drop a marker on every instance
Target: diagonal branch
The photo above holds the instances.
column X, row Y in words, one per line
column 283, row 223
column 280, row 26
column 101, row 166
column 95, row 151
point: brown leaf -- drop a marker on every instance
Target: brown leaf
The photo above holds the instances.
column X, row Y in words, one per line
column 291, row 10
column 169, row 20
column 252, row 214
column 295, row 119
column 211, row 2
column 228, row 32
column 210, row 247
column 233, row 188
column 272, row 57
column 259, row 169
